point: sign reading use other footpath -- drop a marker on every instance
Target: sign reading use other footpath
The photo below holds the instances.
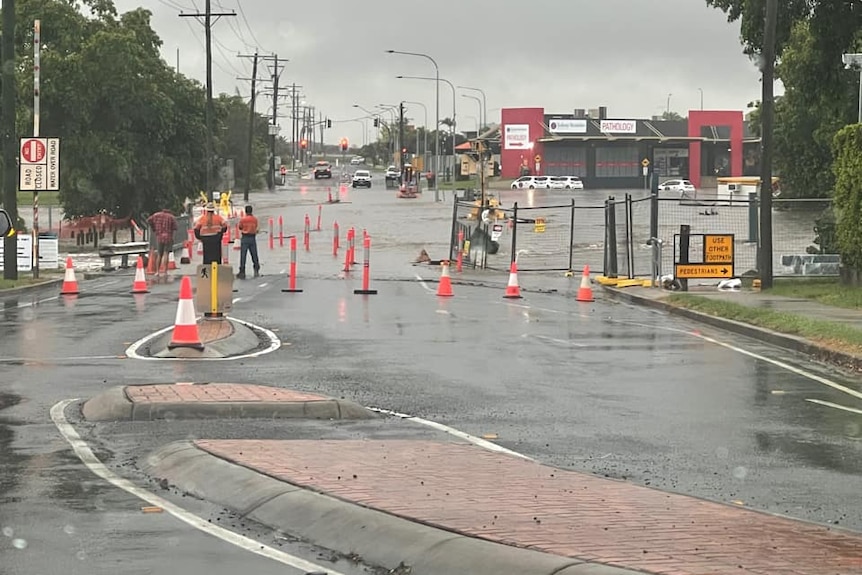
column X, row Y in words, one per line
column 39, row 164
column 716, row 261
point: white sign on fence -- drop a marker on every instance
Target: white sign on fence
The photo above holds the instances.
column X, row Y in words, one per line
column 39, row 164
column 49, row 253
column 25, row 254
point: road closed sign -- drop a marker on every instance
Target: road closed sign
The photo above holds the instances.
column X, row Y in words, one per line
column 39, row 165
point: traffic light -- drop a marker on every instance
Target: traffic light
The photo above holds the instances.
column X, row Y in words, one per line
column 328, row 123
column 344, row 144
column 303, row 143
column 404, row 151
column 376, row 122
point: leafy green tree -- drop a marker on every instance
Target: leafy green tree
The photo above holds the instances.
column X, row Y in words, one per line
column 848, row 194
column 232, row 140
column 819, row 94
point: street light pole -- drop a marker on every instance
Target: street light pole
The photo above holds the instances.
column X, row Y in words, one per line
column 484, row 109
column 701, row 99
column 437, row 156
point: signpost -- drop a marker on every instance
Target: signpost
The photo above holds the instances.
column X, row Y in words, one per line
column 645, row 164
column 716, row 256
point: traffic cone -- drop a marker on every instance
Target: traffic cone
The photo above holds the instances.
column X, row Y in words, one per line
column 444, row 288
column 186, row 325
column 186, row 258
column 70, row 284
column 513, row 290
column 140, row 284
column 172, row 263
column 200, row 248
column 585, row 292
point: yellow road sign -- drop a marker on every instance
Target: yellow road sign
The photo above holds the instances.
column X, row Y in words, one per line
column 718, row 249
column 703, row 271
column 538, row 158
column 645, row 163
column 539, row 226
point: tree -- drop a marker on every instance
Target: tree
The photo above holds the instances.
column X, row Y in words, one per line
column 672, row 116
column 232, row 139
column 848, row 195
column 819, row 94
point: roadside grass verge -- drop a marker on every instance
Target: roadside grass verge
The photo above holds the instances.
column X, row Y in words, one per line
column 23, row 281
column 833, row 334
column 45, row 198
column 828, row 291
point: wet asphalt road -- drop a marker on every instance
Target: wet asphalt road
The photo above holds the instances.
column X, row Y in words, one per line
column 603, row 387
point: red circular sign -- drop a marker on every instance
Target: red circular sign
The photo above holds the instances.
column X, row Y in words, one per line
column 32, row 151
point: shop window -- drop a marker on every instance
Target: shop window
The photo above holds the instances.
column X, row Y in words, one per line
column 617, row 162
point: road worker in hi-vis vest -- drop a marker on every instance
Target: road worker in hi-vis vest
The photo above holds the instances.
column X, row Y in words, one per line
column 209, row 229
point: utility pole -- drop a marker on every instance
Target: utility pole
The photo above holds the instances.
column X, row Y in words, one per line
column 208, row 23
column 401, row 139
column 766, row 142
column 8, row 101
column 250, row 144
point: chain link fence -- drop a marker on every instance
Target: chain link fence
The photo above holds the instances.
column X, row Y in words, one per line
column 617, row 238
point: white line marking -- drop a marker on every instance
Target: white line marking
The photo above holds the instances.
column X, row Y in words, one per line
column 263, row 285
column 274, row 344
column 778, row 363
column 835, row 405
column 88, row 458
column 485, row 444
column 58, row 359
column 236, row 299
column 554, row 340
column 283, row 272
column 423, row 283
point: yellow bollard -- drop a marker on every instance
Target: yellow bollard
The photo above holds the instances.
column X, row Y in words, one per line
column 214, row 290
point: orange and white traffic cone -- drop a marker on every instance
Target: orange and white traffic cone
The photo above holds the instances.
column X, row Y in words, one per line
column 585, row 292
column 70, row 284
column 200, row 248
column 444, row 288
column 186, row 258
column 186, row 325
column 513, row 290
column 172, row 262
column 140, row 284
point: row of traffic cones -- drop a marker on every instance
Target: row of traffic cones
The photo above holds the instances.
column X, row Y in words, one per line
column 513, row 290
column 70, row 282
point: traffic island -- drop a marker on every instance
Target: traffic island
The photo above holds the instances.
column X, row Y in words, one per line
column 220, row 337
column 450, row 507
column 216, row 401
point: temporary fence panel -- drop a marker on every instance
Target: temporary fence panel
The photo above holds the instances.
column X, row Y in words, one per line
column 588, row 237
column 803, row 238
column 544, row 237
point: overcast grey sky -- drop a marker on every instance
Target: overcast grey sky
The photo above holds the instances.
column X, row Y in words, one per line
column 557, row 54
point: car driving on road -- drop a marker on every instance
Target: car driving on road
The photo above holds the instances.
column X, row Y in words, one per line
column 361, row 179
column 684, row 187
column 322, row 169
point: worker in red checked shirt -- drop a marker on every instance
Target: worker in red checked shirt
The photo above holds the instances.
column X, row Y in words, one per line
column 164, row 226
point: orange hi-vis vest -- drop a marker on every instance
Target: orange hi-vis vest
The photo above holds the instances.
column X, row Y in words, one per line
column 248, row 225
column 210, row 224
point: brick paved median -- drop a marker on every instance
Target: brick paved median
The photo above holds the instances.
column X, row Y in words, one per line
column 505, row 499
column 211, row 330
column 215, row 392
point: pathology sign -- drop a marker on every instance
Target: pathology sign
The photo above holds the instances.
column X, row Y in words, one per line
column 619, row 126
column 557, row 126
column 517, row 137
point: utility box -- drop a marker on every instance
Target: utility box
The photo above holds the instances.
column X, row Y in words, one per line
column 204, row 289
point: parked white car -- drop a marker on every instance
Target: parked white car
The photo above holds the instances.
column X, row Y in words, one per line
column 683, row 187
column 357, row 161
column 566, row 183
column 531, row 183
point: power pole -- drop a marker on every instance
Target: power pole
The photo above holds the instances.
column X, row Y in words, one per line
column 249, row 146
column 208, row 23
column 766, row 142
column 275, row 73
column 8, row 101
column 401, row 138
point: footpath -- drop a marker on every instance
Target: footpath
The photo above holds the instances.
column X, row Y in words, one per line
column 441, row 504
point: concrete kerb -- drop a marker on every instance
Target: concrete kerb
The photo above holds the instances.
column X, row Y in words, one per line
column 346, row 527
column 242, row 339
column 114, row 405
column 790, row 342
column 31, row 287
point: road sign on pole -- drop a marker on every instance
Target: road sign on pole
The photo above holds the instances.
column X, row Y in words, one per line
column 39, row 164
